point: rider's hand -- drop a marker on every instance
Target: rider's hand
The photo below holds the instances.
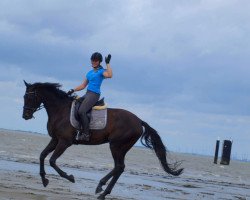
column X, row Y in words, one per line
column 107, row 59
column 71, row 91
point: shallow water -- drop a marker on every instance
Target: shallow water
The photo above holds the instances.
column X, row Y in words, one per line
column 143, row 178
column 129, row 186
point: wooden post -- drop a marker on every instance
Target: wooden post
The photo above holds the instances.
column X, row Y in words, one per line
column 216, row 151
column 226, row 152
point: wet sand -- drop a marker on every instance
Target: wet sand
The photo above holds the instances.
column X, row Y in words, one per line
column 143, row 178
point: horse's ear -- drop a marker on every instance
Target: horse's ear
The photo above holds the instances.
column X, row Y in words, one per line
column 26, row 84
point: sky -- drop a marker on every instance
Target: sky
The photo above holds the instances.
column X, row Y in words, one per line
column 182, row 66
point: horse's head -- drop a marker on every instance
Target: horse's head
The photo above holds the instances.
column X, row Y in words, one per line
column 32, row 101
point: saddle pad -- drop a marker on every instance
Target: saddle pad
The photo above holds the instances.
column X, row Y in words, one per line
column 98, row 118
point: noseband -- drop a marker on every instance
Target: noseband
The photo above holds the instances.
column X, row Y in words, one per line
column 34, row 97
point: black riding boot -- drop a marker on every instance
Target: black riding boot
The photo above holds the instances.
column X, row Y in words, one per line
column 84, row 133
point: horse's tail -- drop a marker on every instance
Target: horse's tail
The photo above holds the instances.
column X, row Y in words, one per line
column 153, row 141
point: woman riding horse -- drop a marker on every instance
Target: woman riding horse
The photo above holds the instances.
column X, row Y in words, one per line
column 122, row 131
column 93, row 80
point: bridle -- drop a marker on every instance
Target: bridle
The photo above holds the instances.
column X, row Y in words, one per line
column 34, row 96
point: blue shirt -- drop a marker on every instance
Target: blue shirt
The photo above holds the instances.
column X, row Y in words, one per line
column 95, row 79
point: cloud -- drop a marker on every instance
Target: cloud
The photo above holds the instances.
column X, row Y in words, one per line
column 182, row 130
column 12, row 89
column 189, row 58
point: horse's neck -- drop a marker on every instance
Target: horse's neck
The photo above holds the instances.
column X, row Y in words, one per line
column 53, row 104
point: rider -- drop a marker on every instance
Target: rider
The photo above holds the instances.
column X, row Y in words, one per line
column 93, row 80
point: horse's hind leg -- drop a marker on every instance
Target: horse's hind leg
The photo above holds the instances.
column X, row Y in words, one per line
column 49, row 148
column 103, row 181
column 118, row 156
column 60, row 148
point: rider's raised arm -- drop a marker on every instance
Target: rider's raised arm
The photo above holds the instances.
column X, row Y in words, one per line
column 108, row 72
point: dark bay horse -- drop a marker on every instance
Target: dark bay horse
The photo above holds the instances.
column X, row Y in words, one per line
column 122, row 131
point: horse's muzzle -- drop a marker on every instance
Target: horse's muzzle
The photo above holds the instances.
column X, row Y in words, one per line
column 27, row 116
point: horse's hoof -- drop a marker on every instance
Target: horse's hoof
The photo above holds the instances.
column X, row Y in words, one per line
column 98, row 190
column 101, row 197
column 45, row 182
column 72, row 179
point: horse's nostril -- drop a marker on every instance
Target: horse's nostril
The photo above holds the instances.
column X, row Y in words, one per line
column 25, row 115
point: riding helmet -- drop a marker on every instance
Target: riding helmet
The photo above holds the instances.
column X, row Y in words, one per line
column 96, row 56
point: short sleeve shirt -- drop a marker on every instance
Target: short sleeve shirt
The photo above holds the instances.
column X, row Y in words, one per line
column 95, row 79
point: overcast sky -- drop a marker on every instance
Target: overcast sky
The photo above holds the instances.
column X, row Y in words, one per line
column 182, row 66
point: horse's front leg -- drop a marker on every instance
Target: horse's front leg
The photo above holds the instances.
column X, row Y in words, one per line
column 48, row 149
column 60, row 148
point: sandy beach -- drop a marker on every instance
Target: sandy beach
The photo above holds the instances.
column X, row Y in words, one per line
column 143, row 178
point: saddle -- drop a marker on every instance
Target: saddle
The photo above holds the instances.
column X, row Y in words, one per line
column 97, row 115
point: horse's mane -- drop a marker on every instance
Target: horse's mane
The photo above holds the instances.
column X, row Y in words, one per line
column 54, row 88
